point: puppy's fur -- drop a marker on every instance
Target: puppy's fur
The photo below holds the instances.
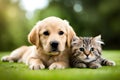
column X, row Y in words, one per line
column 51, row 39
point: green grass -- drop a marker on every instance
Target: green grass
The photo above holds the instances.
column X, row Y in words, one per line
column 19, row 71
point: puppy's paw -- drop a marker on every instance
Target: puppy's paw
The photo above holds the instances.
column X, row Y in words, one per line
column 81, row 65
column 7, row 59
column 36, row 66
column 56, row 66
column 110, row 63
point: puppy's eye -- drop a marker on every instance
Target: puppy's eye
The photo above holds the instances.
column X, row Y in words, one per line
column 61, row 33
column 92, row 49
column 46, row 33
column 81, row 49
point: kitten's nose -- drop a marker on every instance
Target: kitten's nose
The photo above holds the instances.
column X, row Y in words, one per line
column 87, row 53
column 87, row 56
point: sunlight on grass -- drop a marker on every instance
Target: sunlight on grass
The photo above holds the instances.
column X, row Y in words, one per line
column 19, row 71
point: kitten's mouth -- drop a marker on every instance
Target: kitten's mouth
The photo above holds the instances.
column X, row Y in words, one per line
column 87, row 58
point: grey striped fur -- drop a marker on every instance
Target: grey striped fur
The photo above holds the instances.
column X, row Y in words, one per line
column 86, row 53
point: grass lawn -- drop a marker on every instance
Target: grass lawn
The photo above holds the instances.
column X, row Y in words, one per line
column 19, row 71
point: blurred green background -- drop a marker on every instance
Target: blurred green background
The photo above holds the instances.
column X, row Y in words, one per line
column 87, row 17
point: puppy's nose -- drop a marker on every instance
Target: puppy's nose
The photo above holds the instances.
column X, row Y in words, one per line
column 54, row 44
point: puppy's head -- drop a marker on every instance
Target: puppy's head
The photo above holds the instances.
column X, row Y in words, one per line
column 52, row 34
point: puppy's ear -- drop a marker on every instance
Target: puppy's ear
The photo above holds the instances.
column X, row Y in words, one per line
column 70, row 33
column 33, row 36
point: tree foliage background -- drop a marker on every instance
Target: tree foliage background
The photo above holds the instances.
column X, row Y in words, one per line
column 87, row 17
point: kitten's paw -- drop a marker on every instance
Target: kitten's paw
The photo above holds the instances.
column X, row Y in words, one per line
column 95, row 66
column 81, row 65
column 110, row 63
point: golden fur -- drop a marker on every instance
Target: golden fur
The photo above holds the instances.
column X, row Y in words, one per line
column 41, row 54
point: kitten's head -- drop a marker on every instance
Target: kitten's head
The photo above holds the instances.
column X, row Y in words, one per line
column 87, row 49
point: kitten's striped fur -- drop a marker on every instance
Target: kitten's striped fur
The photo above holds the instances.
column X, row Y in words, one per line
column 86, row 52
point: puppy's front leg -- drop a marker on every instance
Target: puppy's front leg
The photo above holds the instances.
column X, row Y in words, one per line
column 35, row 64
column 58, row 65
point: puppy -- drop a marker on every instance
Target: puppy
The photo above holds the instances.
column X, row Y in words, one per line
column 51, row 39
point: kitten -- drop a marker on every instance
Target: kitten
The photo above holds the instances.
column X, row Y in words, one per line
column 86, row 53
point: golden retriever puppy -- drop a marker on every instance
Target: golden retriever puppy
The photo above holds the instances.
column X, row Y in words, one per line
column 51, row 39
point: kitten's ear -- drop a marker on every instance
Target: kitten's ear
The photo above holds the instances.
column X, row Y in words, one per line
column 74, row 40
column 98, row 39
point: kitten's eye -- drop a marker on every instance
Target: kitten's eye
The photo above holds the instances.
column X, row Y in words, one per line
column 46, row 33
column 61, row 33
column 81, row 49
column 92, row 49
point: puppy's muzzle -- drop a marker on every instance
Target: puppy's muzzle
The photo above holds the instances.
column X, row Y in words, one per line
column 54, row 45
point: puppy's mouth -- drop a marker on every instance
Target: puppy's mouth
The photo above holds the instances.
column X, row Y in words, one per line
column 54, row 52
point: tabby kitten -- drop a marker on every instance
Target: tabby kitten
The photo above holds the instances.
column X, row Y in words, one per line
column 86, row 53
